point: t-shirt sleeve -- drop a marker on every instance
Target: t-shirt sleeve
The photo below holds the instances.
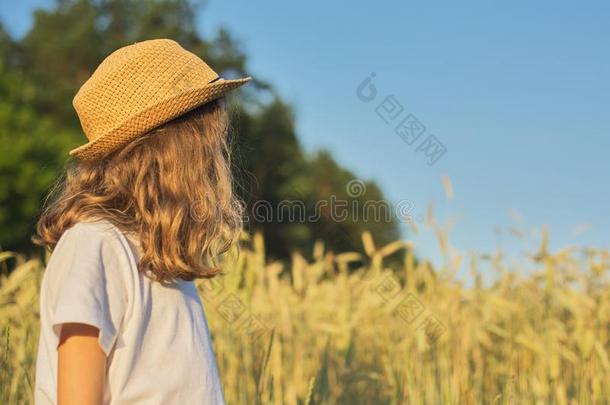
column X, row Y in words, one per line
column 87, row 285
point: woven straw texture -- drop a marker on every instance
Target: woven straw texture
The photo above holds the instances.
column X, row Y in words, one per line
column 139, row 87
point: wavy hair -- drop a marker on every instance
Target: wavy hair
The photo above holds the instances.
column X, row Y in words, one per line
column 172, row 188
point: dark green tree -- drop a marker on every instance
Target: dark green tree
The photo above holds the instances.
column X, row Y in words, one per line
column 32, row 148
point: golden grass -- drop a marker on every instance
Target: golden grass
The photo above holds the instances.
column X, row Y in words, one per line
column 352, row 328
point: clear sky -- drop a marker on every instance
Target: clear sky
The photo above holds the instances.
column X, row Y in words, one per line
column 518, row 92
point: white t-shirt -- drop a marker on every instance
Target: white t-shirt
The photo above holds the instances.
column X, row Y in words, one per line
column 155, row 336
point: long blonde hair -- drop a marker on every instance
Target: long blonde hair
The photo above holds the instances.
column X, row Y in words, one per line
column 172, row 188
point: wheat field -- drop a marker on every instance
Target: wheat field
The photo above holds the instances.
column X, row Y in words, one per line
column 378, row 327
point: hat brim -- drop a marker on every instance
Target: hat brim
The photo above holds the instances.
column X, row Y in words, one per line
column 154, row 116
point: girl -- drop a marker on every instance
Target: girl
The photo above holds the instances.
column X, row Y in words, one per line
column 142, row 211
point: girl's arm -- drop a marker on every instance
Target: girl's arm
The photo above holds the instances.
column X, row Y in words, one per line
column 81, row 366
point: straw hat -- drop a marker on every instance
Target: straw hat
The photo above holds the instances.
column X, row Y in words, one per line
column 139, row 87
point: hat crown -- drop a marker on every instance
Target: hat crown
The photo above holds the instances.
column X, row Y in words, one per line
column 135, row 78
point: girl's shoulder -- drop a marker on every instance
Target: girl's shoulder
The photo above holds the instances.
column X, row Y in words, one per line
column 92, row 230
column 89, row 279
column 97, row 237
column 95, row 255
column 93, row 226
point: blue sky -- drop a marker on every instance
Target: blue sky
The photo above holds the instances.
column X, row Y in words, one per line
column 518, row 92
